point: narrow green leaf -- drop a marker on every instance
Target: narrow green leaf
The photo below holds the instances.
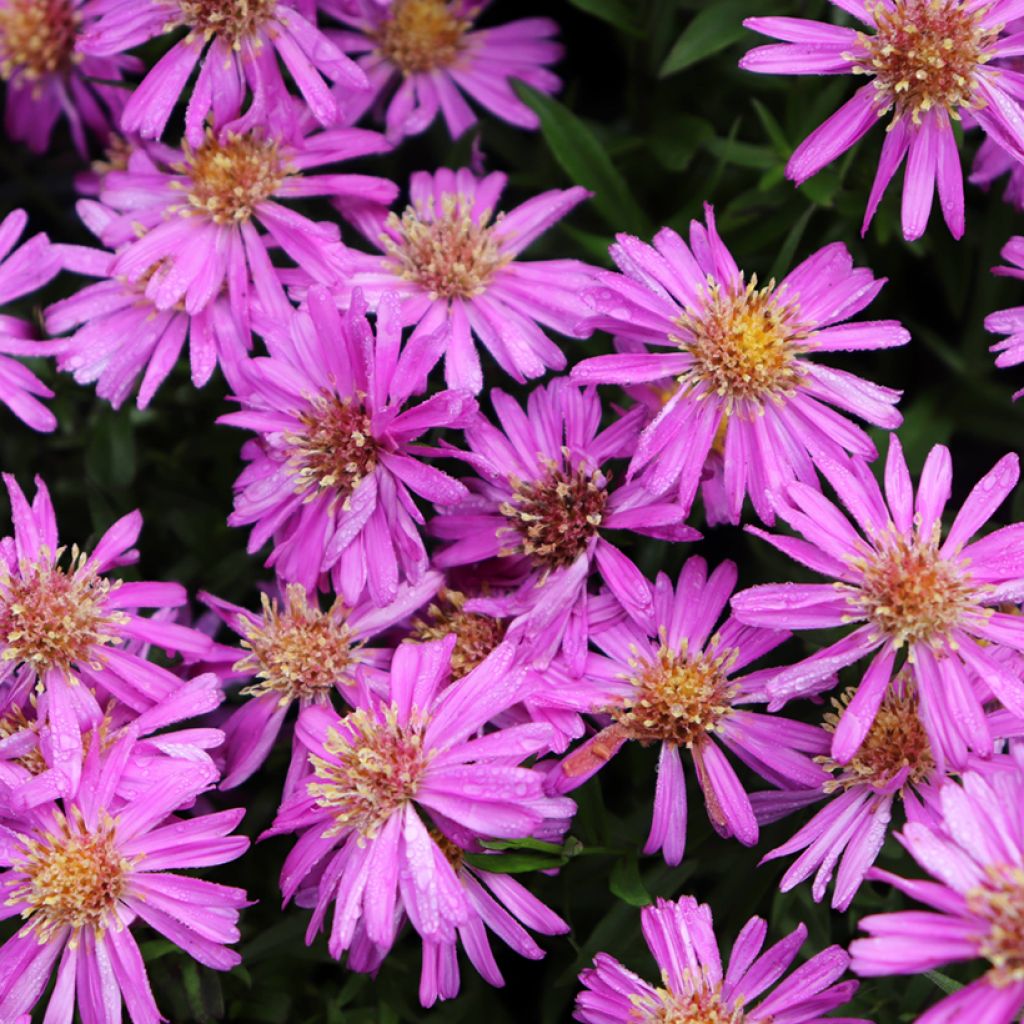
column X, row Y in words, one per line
column 711, row 31
column 947, row 984
column 586, row 161
column 615, row 12
column 625, row 883
column 514, row 863
column 523, row 844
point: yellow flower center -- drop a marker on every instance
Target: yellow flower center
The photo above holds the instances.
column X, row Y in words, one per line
column 381, row 764
column 228, row 179
column 666, row 1007
column 232, row 20
column 744, row 345
column 73, row 878
column 37, row 37
column 335, row 450
column 447, row 252
column 556, row 517
column 1000, row 901
column 896, row 740
column 52, row 617
column 910, row 593
column 679, row 697
column 421, row 35
column 298, row 652
column 475, row 635
column 925, row 55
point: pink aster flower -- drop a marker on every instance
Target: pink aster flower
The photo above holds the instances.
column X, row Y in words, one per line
column 65, row 627
column 296, row 651
column 678, row 682
column 1009, row 321
column 744, row 387
column 48, row 74
column 22, row 271
column 237, row 47
column 929, row 63
column 917, row 598
column 976, row 857
column 990, row 163
column 422, row 57
column 693, row 986
column 81, row 870
column 455, row 265
column 332, row 475
column 544, row 498
column 198, row 210
column 392, row 782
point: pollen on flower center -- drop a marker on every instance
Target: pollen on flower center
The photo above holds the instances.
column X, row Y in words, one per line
column 51, row 617
column 229, row 178
column 450, row 252
column 335, row 450
column 37, row 37
column 744, row 345
column 679, row 696
column 476, row 636
column 666, row 1007
column 556, row 517
column 298, row 651
column 421, row 35
column 910, row 593
column 72, row 877
column 896, row 742
column 375, row 769
column 1000, row 901
column 925, row 54
column 14, row 723
column 232, row 20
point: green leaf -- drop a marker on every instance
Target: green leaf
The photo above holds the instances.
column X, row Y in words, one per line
column 523, row 844
column 677, row 138
column 625, row 883
column 947, row 984
column 514, row 863
column 586, row 161
column 710, row 32
column 615, row 12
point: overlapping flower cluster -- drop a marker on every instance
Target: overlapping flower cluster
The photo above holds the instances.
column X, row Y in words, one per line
column 453, row 606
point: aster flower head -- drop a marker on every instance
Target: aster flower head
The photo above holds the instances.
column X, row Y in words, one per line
column 929, row 62
column 693, row 986
column 187, row 226
column 744, row 389
column 455, row 263
column 48, row 75
column 401, row 761
column 332, row 474
column 974, row 899
column 295, row 650
column 237, row 46
column 67, row 628
column 23, row 269
column 80, row 871
column 918, row 598
column 679, row 683
column 545, row 500
column 1009, row 321
column 424, row 57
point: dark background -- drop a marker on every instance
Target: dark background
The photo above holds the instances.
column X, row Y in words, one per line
column 655, row 146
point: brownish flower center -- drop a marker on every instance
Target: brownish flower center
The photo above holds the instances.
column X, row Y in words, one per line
column 1001, row 902
column 379, row 768
column 232, row 20
column 556, row 517
column 475, row 635
column 421, row 35
column 52, row 617
column 925, row 54
column 297, row 652
column 336, row 448
column 453, row 853
column 73, row 877
column 37, row 37
column 228, row 179
column 448, row 252
column 896, row 740
column 744, row 346
column 910, row 593
column 666, row 1007
column 679, row 697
